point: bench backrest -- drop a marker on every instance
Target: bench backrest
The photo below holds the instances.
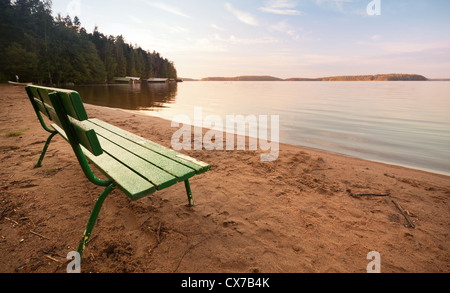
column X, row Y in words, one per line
column 65, row 108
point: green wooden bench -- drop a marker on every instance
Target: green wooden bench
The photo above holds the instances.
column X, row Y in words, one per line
column 135, row 165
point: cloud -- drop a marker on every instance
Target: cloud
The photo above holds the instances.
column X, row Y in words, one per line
column 405, row 47
column 375, row 37
column 408, row 47
column 247, row 41
column 285, row 28
column 205, row 45
column 167, row 8
column 337, row 2
column 339, row 5
column 135, row 20
column 244, row 17
column 282, row 7
column 177, row 29
column 214, row 26
column 323, row 59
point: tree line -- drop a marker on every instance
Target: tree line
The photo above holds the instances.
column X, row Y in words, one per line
column 378, row 77
column 49, row 50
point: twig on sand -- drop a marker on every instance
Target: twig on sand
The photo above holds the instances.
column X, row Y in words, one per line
column 9, row 177
column 158, row 238
column 42, row 236
column 369, row 194
column 158, row 233
column 404, row 214
column 187, row 251
column 30, row 265
column 54, row 259
column 3, row 213
column 12, row 220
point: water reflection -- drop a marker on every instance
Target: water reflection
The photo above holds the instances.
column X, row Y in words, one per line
column 404, row 123
column 145, row 96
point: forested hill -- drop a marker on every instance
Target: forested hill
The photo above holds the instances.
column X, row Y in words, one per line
column 378, row 77
column 242, row 78
column 51, row 50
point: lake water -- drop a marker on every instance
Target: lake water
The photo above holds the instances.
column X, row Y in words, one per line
column 402, row 123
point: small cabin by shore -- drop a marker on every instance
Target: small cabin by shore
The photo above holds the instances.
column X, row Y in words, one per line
column 127, row 79
column 157, row 80
column 130, row 79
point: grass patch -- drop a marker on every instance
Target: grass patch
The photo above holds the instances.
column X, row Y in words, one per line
column 15, row 133
column 52, row 170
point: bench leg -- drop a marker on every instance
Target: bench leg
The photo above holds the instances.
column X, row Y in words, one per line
column 189, row 193
column 39, row 163
column 93, row 218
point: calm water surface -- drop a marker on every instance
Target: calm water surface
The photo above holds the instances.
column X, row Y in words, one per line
column 403, row 123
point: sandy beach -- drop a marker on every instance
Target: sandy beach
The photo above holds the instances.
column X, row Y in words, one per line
column 298, row 214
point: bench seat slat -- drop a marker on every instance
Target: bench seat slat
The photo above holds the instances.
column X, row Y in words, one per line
column 198, row 166
column 134, row 186
column 180, row 171
column 156, row 176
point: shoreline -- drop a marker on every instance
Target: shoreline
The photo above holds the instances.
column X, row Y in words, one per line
column 70, row 85
column 144, row 113
column 298, row 214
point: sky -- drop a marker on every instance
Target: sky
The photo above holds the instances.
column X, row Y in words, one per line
column 282, row 38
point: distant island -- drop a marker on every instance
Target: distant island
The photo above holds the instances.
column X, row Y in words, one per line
column 243, row 78
column 189, row 79
column 378, row 77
